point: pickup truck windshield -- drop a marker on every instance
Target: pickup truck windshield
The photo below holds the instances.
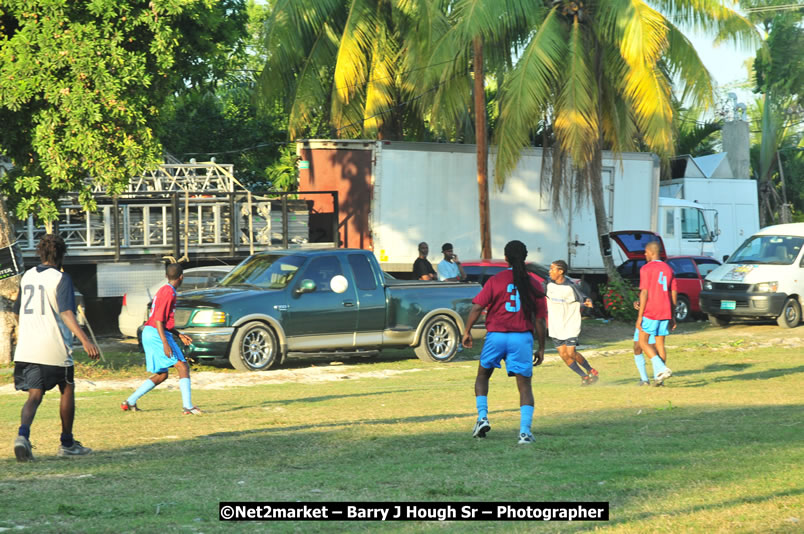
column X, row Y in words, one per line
column 768, row 249
column 264, row 272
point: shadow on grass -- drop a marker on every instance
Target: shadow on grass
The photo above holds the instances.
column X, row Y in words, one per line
column 636, row 459
column 695, row 377
column 322, row 398
column 758, row 375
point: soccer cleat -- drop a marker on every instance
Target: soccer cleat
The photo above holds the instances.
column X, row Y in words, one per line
column 588, row 380
column 644, row 382
column 23, row 449
column 76, row 449
column 526, row 439
column 594, row 376
column 192, row 411
column 481, row 427
column 664, row 375
column 126, row 407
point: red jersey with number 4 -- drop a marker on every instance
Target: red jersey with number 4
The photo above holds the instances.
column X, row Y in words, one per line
column 163, row 307
column 504, row 311
column 657, row 278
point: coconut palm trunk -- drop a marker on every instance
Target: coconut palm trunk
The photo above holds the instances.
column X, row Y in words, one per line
column 482, row 149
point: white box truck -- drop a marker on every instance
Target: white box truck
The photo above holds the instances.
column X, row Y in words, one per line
column 393, row 195
column 730, row 206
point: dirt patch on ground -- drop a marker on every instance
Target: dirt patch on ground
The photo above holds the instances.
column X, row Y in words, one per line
column 211, row 380
column 688, row 337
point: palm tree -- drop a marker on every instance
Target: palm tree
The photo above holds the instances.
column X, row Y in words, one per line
column 340, row 62
column 599, row 73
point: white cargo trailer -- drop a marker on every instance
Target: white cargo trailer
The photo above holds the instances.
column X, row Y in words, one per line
column 393, row 195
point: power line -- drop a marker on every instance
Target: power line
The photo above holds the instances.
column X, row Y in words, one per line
column 372, row 80
column 237, row 150
column 783, row 7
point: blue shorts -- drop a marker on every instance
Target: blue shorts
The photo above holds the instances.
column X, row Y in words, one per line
column 516, row 348
column 155, row 359
column 656, row 327
column 651, row 340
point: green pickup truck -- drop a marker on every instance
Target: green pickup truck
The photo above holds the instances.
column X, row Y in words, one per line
column 323, row 301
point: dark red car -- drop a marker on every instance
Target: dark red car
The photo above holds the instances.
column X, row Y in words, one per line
column 689, row 271
column 481, row 270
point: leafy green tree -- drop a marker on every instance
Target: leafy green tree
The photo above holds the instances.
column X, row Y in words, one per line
column 224, row 124
column 779, row 70
column 81, row 83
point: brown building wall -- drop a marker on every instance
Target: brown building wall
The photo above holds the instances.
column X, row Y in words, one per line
column 348, row 172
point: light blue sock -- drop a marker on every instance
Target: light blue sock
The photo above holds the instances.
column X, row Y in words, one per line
column 639, row 359
column 658, row 365
column 525, row 418
column 142, row 390
column 482, row 402
column 184, row 386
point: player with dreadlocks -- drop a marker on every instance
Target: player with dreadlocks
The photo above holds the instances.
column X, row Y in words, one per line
column 515, row 311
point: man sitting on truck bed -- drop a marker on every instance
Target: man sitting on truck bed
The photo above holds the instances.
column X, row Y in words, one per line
column 422, row 268
column 449, row 269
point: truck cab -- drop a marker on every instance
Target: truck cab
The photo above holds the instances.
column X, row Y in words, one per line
column 763, row 278
column 683, row 226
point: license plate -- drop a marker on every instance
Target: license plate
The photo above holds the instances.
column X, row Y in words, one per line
column 728, row 304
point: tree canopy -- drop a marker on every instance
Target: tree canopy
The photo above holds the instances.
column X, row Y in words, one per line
column 81, row 84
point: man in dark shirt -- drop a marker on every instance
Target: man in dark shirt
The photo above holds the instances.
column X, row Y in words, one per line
column 422, row 268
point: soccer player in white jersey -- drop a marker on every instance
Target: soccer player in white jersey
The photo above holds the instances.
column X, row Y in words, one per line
column 564, row 301
column 43, row 357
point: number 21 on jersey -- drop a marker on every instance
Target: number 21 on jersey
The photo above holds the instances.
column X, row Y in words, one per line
column 513, row 296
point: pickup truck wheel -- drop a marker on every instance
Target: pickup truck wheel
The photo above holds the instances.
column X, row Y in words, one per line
column 439, row 342
column 254, row 348
column 682, row 309
column 791, row 314
column 719, row 320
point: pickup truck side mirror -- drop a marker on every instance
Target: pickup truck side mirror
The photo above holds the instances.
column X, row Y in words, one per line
column 725, row 258
column 306, row 286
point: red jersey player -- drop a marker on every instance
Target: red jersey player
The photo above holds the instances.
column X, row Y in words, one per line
column 657, row 299
column 515, row 309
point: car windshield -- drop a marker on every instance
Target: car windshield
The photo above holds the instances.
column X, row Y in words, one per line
column 768, row 249
column 264, row 272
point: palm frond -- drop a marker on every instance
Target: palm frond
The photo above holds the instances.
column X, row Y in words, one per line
column 645, row 35
column 355, row 44
column 649, row 94
column 617, row 122
column 684, row 63
column 576, row 120
column 527, row 91
column 381, row 93
column 711, row 17
column 312, row 86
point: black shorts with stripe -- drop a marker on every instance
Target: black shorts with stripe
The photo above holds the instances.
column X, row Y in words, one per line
column 39, row 376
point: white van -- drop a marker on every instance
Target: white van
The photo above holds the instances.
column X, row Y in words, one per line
column 764, row 277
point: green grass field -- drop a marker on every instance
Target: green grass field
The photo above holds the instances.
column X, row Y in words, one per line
column 719, row 449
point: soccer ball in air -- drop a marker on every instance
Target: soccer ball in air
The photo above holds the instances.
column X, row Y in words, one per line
column 339, row 284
